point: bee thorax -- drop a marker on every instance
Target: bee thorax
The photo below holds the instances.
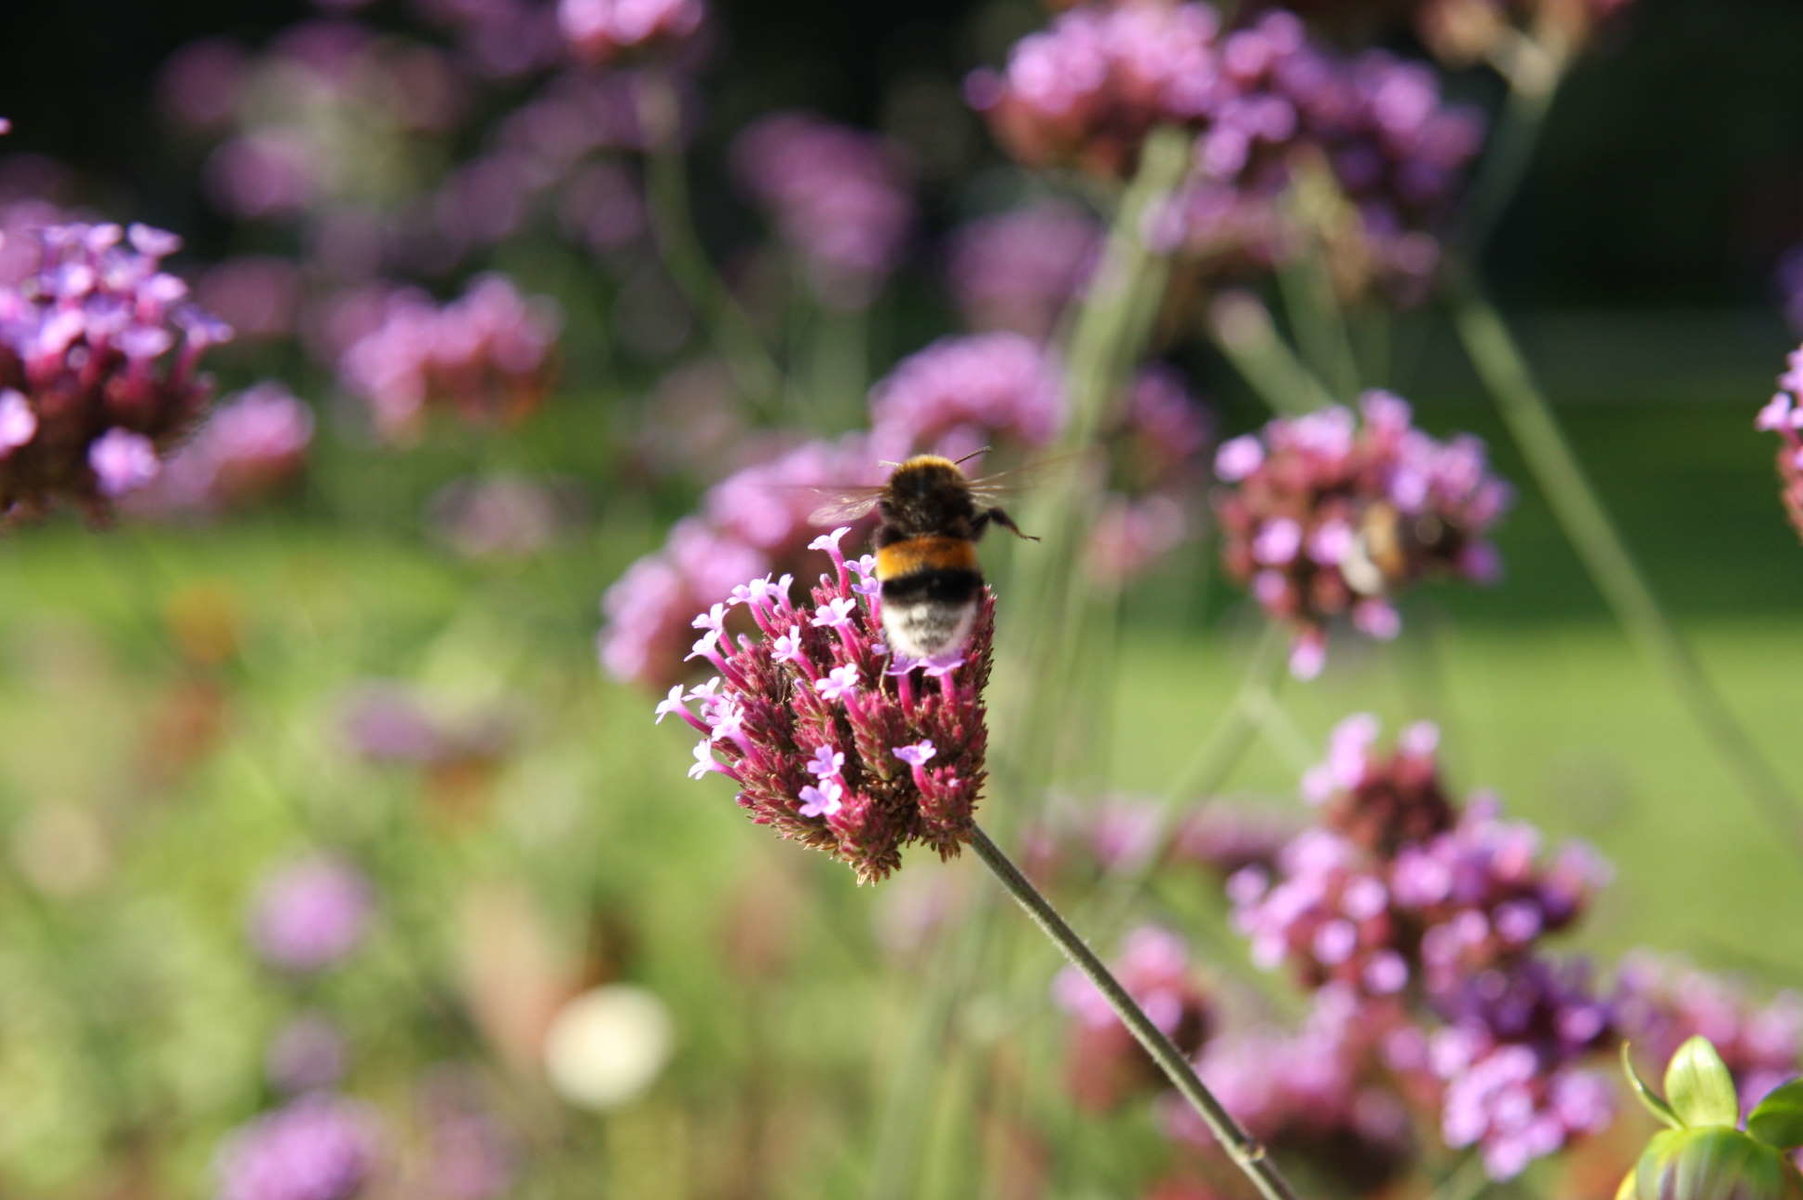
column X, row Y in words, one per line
column 923, row 628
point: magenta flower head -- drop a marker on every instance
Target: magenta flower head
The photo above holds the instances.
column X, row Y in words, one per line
column 1020, row 270
column 99, row 357
column 319, row 1147
column 1783, row 415
column 960, row 393
column 1662, row 1003
column 1087, row 90
column 1333, row 514
column 1309, row 1095
column 489, row 356
column 252, row 446
column 311, row 914
column 753, row 522
column 599, row 32
column 1105, row 1066
column 839, row 198
column 831, row 740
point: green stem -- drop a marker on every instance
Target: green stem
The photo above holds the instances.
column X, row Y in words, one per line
column 1504, row 371
column 1247, row 1154
column 1208, row 769
column 1242, row 329
column 673, row 227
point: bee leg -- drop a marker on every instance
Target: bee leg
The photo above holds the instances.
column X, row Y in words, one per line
column 1004, row 520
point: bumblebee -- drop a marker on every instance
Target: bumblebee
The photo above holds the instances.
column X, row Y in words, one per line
column 1392, row 548
column 931, row 516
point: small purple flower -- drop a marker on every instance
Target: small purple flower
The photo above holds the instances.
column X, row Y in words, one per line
column 319, row 1147
column 122, row 461
column 826, row 762
column 840, row 683
column 311, row 914
column 917, row 755
column 822, row 801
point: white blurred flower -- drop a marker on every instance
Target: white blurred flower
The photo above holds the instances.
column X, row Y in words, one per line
column 608, row 1045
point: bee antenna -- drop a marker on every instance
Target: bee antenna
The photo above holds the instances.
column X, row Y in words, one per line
column 974, row 453
column 883, row 462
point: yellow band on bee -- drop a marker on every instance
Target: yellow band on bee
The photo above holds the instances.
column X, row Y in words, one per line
column 923, row 554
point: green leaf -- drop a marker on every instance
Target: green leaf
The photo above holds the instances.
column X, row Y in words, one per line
column 1698, row 1086
column 1777, row 1120
column 1654, row 1103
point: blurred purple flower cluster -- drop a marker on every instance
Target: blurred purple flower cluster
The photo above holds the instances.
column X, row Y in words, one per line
column 1431, row 919
column 487, row 357
column 1270, row 109
column 838, row 197
column 99, row 367
column 1783, row 415
column 319, row 1147
column 251, row 446
column 1334, row 513
column 753, row 522
column 1105, row 1066
column 1662, row 1002
column 832, row 741
column 957, row 395
column 1020, row 270
column 600, row 31
column 1416, row 925
column 311, row 914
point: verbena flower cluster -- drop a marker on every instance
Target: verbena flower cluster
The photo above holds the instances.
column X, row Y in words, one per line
column 1435, row 915
column 1416, row 923
column 1019, row 270
column 839, row 198
column 310, row 914
column 100, row 353
column 488, row 356
column 1334, row 513
column 832, row 741
column 601, row 31
column 1268, row 106
column 753, row 522
column 251, row 446
column 318, row 1147
column 1783, row 415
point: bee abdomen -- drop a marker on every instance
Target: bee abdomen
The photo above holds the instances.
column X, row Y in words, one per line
column 930, row 611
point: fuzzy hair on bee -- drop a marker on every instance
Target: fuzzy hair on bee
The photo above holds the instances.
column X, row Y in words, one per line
column 930, row 518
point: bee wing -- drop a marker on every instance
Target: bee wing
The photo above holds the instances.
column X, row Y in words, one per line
column 843, row 505
column 1027, row 475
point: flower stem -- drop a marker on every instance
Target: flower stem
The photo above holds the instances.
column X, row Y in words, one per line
column 1504, row 371
column 1241, row 327
column 1247, row 1154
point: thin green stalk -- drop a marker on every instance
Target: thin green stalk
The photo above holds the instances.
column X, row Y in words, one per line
column 1524, row 409
column 1213, row 763
column 1242, row 329
column 1246, row 1152
column 673, row 227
